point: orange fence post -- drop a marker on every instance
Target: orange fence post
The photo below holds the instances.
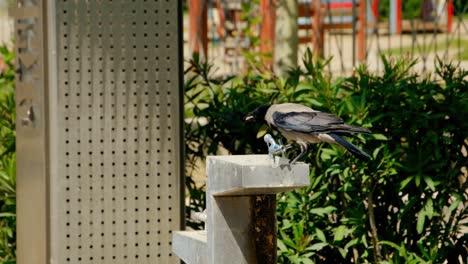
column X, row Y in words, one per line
column 361, row 38
column 399, row 16
column 267, row 30
column 317, row 28
column 375, row 9
column 198, row 35
column 449, row 15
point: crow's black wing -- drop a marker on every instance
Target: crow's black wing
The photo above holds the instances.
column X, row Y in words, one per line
column 306, row 121
column 313, row 122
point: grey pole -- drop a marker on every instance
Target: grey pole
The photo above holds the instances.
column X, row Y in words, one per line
column 287, row 38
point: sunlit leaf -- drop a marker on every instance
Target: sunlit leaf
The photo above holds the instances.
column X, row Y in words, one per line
column 351, row 243
column 429, row 183
column 339, row 233
column 323, row 210
column 317, row 246
column 405, row 182
column 379, row 137
column 320, row 235
column 420, row 223
column 281, row 245
column 262, row 131
column 343, row 252
column 287, row 240
column 454, row 205
column 429, row 208
column 306, row 260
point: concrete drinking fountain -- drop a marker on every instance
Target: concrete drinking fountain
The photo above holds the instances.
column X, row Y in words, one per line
column 241, row 210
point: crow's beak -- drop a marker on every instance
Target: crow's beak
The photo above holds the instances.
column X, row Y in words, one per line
column 248, row 119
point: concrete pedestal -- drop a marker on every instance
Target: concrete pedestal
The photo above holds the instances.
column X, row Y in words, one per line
column 241, row 203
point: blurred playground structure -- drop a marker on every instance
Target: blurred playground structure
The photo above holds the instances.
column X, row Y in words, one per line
column 351, row 32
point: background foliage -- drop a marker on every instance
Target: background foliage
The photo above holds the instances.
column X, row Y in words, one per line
column 7, row 158
column 411, row 9
column 407, row 205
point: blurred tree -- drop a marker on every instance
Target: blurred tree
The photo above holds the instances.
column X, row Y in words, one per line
column 286, row 43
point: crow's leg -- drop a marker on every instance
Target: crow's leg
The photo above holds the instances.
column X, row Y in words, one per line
column 283, row 149
column 303, row 147
column 288, row 146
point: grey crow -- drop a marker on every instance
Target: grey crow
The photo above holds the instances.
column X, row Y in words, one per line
column 304, row 125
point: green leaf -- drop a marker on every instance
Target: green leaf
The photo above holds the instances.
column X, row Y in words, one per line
column 429, row 208
column 351, row 243
column 281, row 245
column 322, row 211
column 429, row 183
column 420, row 223
column 379, row 137
column 405, row 182
column 313, row 102
column 316, row 181
column 346, row 172
column 391, row 244
column 315, row 195
column 423, row 251
column 339, row 233
column 7, row 214
column 298, row 230
column 320, row 235
column 454, row 205
column 287, row 241
column 343, row 252
column 262, row 131
column 294, row 259
column 317, row 246
column 417, row 180
column 376, row 153
column 306, row 261
column 364, row 240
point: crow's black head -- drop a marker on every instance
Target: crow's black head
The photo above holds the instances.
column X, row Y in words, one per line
column 257, row 115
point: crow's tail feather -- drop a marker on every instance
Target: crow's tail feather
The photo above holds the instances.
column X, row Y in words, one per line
column 350, row 147
column 345, row 129
column 355, row 129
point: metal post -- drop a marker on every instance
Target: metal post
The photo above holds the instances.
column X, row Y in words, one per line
column 241, row 206
column 395, row 17
column 198, row 33
column 31, row 131
column 286, row 34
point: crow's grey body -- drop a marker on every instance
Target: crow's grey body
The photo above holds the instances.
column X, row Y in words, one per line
column 305, row 125
column 276, row 115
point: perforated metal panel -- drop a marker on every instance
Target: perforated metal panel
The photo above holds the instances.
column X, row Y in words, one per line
column 114, row 100
column 119, row 106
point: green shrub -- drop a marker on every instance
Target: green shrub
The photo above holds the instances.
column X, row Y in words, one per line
column 7, row 158
column 404, row 206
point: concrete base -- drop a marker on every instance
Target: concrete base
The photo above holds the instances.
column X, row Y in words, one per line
column 236, row 189
column 190, row 246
